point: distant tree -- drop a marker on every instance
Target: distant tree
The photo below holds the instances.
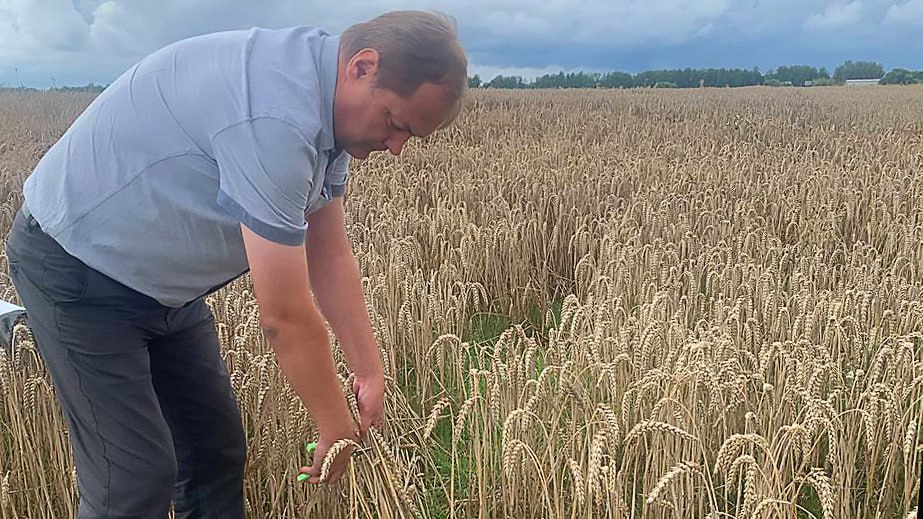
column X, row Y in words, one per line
column 550, row 81
column 694, row 78
column 91, row 88
column 899, row 76
column 570, row 80
column 797, row 74
column 645, row 79
column 617, row 80
column 823, row 81
column 720, row 77
column 858, row 70
column 793, row 75
column 502, row 81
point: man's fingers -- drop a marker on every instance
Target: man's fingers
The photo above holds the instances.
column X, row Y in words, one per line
column 336, row 470
column 312, row 473
column 364, row 426
column 332, row 477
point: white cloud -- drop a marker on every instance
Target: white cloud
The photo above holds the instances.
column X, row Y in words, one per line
column 835, row 16
column 66, row 30
column 27, row 29
column 906, row 14
column 582, row 21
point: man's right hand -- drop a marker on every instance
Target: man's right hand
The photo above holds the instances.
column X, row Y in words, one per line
column 295, row 328
column 337, row 466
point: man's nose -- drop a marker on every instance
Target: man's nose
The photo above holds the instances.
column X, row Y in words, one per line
column 396, row 142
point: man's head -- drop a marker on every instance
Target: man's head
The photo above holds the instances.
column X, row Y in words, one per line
column 400, row 75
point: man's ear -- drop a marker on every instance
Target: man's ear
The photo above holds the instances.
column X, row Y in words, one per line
column 363, row 64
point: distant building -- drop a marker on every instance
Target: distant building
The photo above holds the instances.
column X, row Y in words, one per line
column 862, row 82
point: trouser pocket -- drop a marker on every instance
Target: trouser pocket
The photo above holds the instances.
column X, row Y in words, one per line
column 37, row 258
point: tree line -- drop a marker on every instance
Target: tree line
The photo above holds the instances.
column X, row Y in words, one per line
column 797, row 75
column 89, row 88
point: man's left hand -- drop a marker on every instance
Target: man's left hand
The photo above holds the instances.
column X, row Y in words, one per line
column 370, row 395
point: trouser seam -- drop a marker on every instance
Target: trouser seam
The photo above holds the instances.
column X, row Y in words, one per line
column 195, row 477
column 102, row 441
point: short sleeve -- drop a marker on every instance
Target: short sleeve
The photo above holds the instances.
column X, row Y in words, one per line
column 265, row 169
column 339, row 175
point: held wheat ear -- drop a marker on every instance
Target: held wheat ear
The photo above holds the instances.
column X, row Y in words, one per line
column 311, row 447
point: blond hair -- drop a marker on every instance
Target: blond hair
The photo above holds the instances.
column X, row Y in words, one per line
column 414, row 47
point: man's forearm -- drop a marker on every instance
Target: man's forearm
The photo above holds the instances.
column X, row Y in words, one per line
column 338, row 289
column 305, row 358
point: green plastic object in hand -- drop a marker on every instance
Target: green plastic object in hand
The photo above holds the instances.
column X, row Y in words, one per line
column 310, row 447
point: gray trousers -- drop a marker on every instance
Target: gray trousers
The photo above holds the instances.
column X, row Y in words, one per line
column 150, row 411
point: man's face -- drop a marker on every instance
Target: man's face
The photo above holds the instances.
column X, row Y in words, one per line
column 368, row 118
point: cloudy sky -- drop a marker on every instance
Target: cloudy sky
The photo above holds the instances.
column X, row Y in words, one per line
column 75, row 42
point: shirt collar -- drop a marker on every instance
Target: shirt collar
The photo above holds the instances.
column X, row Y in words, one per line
column 329, row 56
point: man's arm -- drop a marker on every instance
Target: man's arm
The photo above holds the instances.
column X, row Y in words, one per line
column 337, row 285
column 264, row 183
column 296, row 331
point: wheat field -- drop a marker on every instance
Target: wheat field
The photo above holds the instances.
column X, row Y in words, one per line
column 597, row 304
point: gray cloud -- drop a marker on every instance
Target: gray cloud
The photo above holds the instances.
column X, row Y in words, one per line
column 909, row 14
column 65, row 31
column 606, row 23
column 86, row 8
column 94, row 40
column 836, row 16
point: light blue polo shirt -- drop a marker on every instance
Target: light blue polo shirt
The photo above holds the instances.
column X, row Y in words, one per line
column 150, row 184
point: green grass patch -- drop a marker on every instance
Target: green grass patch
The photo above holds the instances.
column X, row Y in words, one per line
column 437, row 503
column 482, row 331
column 809, row 506
column 485, row 327
column 535, row 317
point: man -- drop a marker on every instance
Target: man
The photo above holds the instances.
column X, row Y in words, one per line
column 214, row 156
